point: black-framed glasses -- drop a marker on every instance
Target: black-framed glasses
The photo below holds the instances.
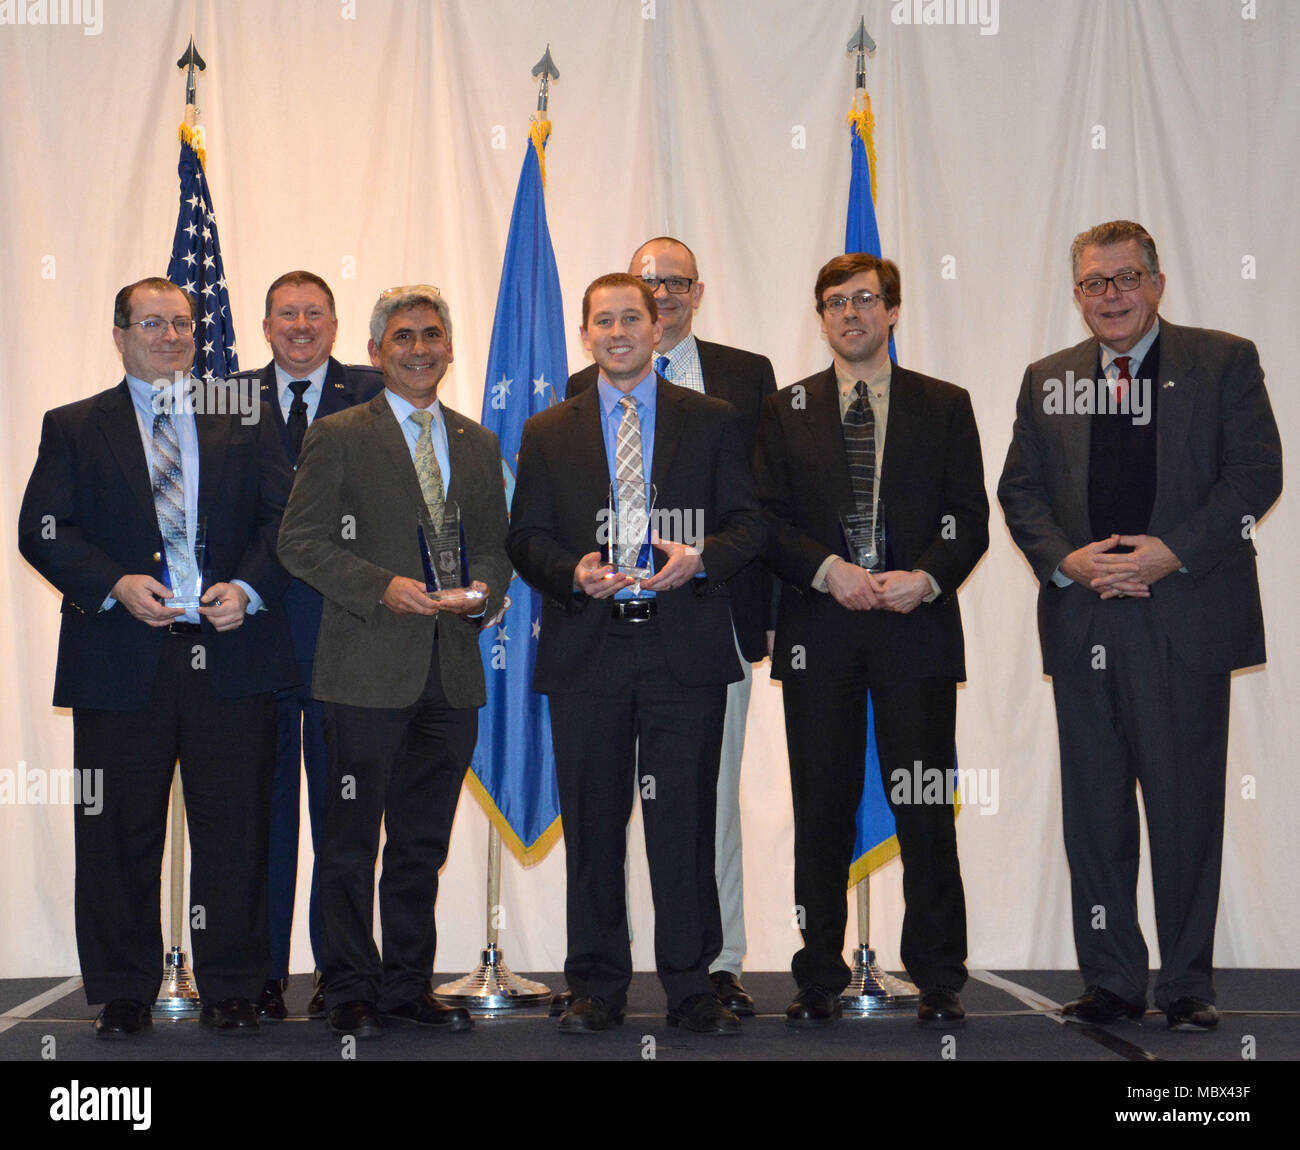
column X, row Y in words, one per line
column 1096, row 285
column 862, row 301
column 153, row 325
column 677, row 285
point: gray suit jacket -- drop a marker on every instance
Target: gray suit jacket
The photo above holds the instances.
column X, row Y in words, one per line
column 1218, row 469
column 350, row 527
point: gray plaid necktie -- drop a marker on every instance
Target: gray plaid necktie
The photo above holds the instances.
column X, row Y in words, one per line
column 630, row 477
column 860, row 449
column 427, row 469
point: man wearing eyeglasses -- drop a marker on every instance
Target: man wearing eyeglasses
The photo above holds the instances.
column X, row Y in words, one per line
column 743, row 380
column 872, row 480
column 135, row 492
column 1136, row 511
column 397, row 668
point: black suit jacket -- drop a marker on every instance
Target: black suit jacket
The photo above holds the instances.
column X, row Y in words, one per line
column 1218, row 469
column 935, row 512
column 351, row 526
column 344, row 387
column 88, row 518
column 743, row 380
column 562, row 488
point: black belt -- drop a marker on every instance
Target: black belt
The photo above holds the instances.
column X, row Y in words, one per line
column 185, row 628
column 634, row 610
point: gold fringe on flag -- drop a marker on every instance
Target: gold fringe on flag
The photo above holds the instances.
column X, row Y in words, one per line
column 864, row 123
column 527, row 856
column 539, row 133
column 194, row 137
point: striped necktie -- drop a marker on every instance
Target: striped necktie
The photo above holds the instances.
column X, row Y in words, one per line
column 860, row 449
column 629, row 475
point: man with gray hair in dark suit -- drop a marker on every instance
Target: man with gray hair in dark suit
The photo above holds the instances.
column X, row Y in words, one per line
column 1140, row 461
column 398, row 669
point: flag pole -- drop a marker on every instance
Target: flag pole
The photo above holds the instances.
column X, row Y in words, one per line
column 492, row 988
column 178, row 996
column 870, row 990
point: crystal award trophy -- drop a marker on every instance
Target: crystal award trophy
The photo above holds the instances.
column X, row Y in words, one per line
column 864, row 537
column 626, row 545
column 444, row 557
column 186, row 580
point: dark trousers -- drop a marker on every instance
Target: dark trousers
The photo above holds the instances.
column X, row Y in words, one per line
column 226, row 749
column 643, row 732
column 1142, row 717
column 402, row 767
column 826, row 732
column 300, row 745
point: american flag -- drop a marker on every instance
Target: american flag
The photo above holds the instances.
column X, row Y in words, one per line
column 196, row 266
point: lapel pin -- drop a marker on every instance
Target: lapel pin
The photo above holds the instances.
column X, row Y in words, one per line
column 1168, row 383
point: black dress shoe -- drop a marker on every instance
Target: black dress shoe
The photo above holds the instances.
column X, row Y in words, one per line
column 813, row 1006
column 1192, row 1014
column 270, row 1005
column 704, row 1014
column 589, row 1015
column 560, row 1003
column 357, row 1018
column 939, row 1004
column 427, row 1012
column 731, row 994
column 123, row 1018
column 316, row 1007
column 1100, row 1007
column 233, row 1018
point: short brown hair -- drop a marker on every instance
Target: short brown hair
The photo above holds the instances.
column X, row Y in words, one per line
column 620, row 279
column 843, row 268
column 1115, row 232
column 299, row 279
column 122, row 301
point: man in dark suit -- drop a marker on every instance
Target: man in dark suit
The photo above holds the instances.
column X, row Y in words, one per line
column 850, row 624
column 398, row 669
column 302, row 383
column 125, row 485
column 744, row 380
column 1140, row 462
column 636, row 672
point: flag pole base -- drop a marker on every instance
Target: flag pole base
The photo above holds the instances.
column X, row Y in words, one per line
column 178, row 997
column 492, row 988
column 872, row 991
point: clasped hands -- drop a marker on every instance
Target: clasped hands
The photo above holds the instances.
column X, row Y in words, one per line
column 1116, row 575
column 857, row 589
column 601, row 581
column 223, row 604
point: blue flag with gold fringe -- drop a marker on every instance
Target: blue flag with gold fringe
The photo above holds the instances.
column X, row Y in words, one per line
column 513, row 770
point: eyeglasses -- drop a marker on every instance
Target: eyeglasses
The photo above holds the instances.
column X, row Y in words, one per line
column 411, row 289
column 1096, row 285
column 678, row 285
column 862, row 301
column 155, row 326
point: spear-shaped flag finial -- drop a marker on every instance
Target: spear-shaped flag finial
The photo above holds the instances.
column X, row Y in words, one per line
column 193, row 62
column 861, row 43
column 546, row 69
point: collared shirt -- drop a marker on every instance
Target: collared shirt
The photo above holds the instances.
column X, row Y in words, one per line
column 878, row 397
column 683, row 364
column 148, row 402
column 311, row 397
column 401, row 409
column 646, row 394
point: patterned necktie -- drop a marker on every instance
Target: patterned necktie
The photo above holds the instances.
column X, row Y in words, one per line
column 1122, row 381
column 169, row 499
column 298, row 415
column 427, row 469
column 860, row 449
column 664, row 368
column 630, row 478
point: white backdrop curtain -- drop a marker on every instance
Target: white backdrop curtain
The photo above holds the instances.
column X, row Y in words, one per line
column 379, row 142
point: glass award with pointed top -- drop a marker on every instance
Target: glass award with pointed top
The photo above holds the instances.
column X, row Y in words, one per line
column 864, row 537
column 444, row 556
column 625, row 535
column 186, row 581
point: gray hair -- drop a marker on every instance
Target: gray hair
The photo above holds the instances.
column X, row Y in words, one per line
column 397, row 299
column 1115, row 232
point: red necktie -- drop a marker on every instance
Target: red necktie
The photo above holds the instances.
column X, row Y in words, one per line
column 1121, row 384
